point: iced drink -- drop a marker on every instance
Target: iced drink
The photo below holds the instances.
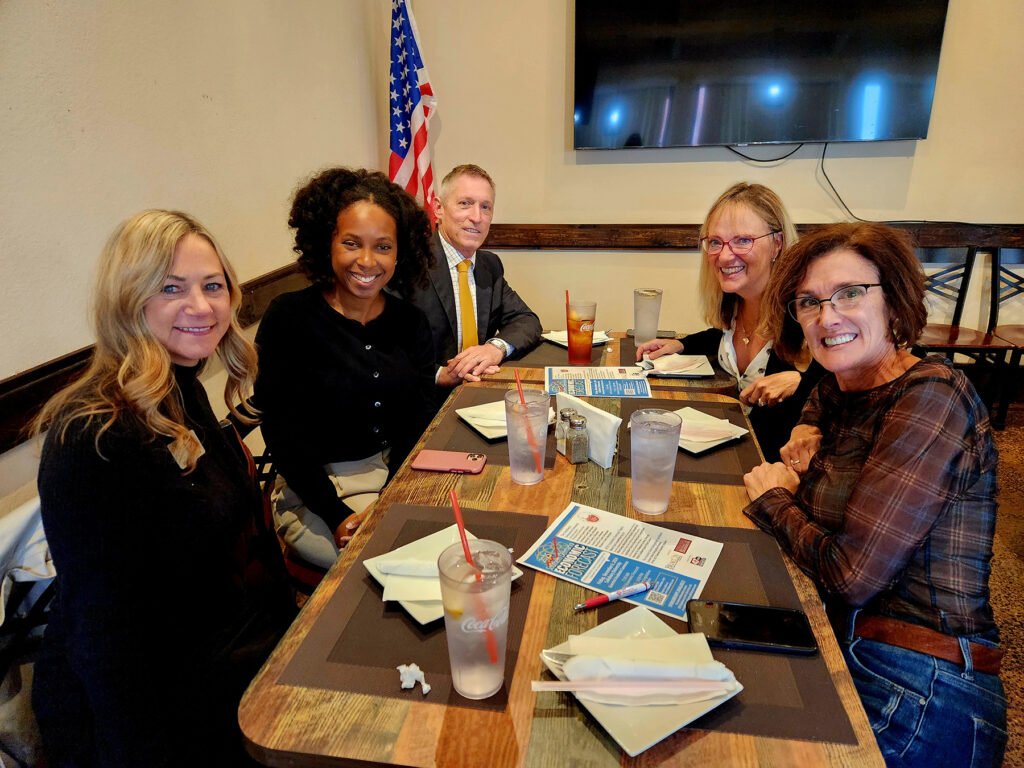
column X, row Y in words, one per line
column 476, row 615
column 527, row 434
column 653, row 445
column 646, row 308
column 579, row 320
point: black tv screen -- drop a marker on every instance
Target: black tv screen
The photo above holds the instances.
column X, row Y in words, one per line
column 676, row 73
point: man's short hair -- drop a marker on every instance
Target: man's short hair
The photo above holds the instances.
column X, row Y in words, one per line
column 467, row 169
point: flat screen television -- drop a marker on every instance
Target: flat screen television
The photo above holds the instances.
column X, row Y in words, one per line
column 680, row 73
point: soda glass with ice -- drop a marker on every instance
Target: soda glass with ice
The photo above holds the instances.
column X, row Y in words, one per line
column 527, row 434
column 653, row 445
column 579, row 321
column 476, row 603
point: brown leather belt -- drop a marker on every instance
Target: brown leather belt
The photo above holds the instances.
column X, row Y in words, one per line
column 915, row 637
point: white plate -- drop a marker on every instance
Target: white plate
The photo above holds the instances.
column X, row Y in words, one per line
column 429, row 547
column 692, row 414
column 639, row 728
column 561, row 338
column 492, row 431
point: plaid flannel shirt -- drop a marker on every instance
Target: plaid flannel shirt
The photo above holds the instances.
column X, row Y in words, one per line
column 897, row 510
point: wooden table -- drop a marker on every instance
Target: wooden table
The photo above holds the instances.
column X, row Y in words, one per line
column 306, row 726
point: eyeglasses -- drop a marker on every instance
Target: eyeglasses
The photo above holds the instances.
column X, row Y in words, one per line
column 738, row 245
column 806, row 308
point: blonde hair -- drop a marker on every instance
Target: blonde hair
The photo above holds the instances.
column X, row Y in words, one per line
column 719, row 306
column 130, row 370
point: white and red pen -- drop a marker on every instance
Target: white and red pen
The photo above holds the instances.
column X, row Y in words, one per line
column 634, row 589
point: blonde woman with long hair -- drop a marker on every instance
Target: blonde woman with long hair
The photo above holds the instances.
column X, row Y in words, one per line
column 170, row 593
column 744, row 233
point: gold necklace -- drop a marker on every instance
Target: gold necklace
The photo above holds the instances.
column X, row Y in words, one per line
column 744, row 336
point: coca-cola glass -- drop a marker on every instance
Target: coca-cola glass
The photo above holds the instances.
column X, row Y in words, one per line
column 475, row 601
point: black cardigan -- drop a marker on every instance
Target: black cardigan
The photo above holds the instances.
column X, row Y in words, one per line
column 169, row 597
column 772, row 424
column 332, row 389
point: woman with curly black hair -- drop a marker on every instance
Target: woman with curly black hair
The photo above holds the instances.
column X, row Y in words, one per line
column 345, row 369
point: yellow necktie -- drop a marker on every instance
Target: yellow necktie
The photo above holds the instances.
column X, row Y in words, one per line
column 466, row 306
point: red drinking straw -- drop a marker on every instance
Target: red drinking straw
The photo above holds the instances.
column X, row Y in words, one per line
column 481, row 613
column 526, row 418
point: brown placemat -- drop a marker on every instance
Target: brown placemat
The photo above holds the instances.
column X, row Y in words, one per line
column 453, row 434
column 547, row 353
column 784, row 696
column 722, row 465
column 358, row 640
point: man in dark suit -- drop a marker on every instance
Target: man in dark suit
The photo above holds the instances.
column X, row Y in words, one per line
column 469, row 344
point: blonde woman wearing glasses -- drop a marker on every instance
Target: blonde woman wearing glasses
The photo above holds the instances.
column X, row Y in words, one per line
column 743, row 234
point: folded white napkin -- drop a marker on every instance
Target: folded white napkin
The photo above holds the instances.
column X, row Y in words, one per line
column 699, row 427
column 602, row 427
column 408, row 567
column 696, row 365
column 561, row 338
column 639, row 660
column 491, row 414
column 417, row 588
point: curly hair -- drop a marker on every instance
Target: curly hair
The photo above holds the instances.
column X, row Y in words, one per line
column 314, row 217
column 130, row 370
column 719, row 306
column 899, row 272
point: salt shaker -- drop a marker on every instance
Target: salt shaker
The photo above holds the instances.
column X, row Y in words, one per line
column 562, row 428
column 577, row 441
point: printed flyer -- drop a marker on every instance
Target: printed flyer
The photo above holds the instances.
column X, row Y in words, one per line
column 597, row 382
column 605, row 552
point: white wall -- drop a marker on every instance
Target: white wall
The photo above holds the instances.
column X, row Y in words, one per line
column 218, row 108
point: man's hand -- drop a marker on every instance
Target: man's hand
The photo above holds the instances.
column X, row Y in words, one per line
column 804, row 442
column 768, row 476
column 770, row 390
column 473, row 362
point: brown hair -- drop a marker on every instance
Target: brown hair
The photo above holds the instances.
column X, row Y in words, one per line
column 899, row 272
column 718, row 306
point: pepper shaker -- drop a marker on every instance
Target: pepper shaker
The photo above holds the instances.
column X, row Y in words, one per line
column 577, row 440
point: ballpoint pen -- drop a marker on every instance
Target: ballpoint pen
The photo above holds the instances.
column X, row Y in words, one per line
column 629, row 591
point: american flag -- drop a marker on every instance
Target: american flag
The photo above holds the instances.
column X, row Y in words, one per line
column 412, row 104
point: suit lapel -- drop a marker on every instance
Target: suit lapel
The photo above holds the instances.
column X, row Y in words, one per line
column 441, row 279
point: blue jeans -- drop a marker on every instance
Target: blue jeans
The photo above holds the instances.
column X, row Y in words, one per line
column 928, row 712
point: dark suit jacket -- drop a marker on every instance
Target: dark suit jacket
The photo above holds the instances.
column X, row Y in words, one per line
column 499, row 310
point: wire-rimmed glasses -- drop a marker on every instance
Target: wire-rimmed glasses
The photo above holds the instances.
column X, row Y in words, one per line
column 803, row 309
column 739, row 245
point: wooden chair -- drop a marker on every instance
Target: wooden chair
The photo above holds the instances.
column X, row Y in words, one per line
column 1007, row 283
column 984, row 348
column 304, row 575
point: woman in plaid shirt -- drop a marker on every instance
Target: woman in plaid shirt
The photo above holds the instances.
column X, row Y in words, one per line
column 886, row 497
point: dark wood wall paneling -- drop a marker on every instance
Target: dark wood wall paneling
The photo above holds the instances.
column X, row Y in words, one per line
column 22, row 395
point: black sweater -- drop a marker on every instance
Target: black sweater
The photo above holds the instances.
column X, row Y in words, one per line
column 772, row 424
column 332, row 389
column 169, row 596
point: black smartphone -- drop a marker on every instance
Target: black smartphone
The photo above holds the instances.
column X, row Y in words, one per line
column 752, row 627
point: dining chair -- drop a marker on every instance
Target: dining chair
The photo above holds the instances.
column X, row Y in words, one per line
column 987, row 351
column 1007, row 284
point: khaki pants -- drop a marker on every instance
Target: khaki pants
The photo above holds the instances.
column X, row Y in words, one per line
column 358, row 483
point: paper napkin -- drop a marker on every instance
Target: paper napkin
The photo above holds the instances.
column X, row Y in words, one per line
column 699, row 427
column 561, row 338
column 638, row 660
column 678, row 365
column 602, row 427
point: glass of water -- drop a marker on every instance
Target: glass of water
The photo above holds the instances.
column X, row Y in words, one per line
column 646, row 308
column 653, row 445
